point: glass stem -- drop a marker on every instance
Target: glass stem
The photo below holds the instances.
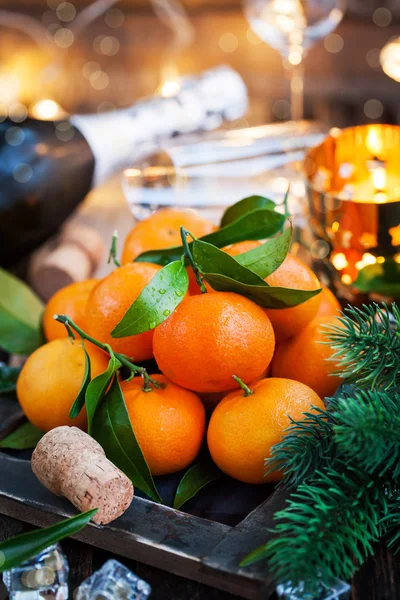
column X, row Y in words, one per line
column 296, row 79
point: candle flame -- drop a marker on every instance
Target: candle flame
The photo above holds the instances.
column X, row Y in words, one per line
column 379, row 178
column 374, row 142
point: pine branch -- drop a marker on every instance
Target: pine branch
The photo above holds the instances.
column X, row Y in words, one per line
column 391, row 521
column 328, row 527
column 306, row 447
column 367, row 430
column 367, row 346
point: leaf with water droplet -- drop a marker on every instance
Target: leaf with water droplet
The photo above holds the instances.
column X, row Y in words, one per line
column 257, row 224
column 265, row 259
column 225, row 274
column 146, row 313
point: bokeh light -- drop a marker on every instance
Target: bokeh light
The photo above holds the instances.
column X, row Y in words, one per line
column 281, row 109
column 66, row 11
column 382, row 17
column 17, row 112
column 334, row 43
column 390, row 59
column 228, row 42
column 64, row 131
column 372, row 58
column 114, row 18
column 105, row 106
column 64, row 38
column 14, row 136
column 99, row 80
column 373, row 109
column 22, row 173
column 47, row 110
column 106, row 44
column 89, row 68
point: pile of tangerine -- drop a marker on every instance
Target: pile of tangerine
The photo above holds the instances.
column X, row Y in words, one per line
column 250, row 367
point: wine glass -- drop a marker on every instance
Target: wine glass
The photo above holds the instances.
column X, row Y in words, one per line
column 292, row 27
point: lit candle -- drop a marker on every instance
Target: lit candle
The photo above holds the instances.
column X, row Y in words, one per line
column 354, row 192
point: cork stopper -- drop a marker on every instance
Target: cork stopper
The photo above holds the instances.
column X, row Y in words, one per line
column 73, row 256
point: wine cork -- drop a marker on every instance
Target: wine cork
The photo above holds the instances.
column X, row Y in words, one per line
column 70, row 463
column 74, row 256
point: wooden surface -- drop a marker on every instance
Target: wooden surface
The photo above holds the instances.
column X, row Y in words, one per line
column 379, row 579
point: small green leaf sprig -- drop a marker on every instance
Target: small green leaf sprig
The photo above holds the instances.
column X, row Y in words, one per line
column 343, row 464
column 16, row 550
column 108, row 418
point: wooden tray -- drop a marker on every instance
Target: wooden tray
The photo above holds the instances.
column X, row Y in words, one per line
column 177, row 542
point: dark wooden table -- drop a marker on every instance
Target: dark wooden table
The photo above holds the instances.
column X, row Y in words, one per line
column 379, row 578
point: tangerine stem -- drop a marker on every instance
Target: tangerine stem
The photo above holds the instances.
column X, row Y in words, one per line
column 112, row 255
column 189, row 256
column 245, row 388
column 135, row 369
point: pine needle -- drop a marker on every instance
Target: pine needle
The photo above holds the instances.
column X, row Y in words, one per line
column 306, row 447
column 367, row 430
column 367, row 346
column 327, row 529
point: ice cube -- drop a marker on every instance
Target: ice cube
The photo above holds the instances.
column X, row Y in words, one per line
column 42, row 577
column 113, row 581
column 339, row 591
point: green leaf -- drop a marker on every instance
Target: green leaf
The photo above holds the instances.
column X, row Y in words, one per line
column 265, row 259
column 199, row 475
column 256, row 225
column 23, row 438
column 260, row 553
column 244, row 206
column 212, row 260
column 380, row 278
column 113, row 430
column 265, row 296
column 156, row 301
column 8, row 378
column 20, row 314
column 97, row 388
column 15, row 551
column 80, row 399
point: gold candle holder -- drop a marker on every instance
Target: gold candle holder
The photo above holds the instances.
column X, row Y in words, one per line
column 353, row 187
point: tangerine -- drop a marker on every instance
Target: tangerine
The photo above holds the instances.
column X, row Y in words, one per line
column 293, row 273
column 162, row 230
column 50, row 381
column 241, row 247
column 110, row 300
column 330, row 305
column 210, row 337
column 70, row 300
column 243, row 429
column 305, row 358
column 169, row 423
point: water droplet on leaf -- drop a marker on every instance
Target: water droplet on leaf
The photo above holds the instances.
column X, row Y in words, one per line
column 152, row 325
column 162, row 291
column 166, row 312
column 179, row 293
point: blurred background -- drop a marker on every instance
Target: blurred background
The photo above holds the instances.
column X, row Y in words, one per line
column 76, row 56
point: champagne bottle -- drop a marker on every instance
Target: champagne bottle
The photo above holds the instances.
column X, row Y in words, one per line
column 47, row 168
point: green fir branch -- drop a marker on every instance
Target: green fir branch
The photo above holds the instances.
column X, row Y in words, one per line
column 327, row 529
column 367, row 430
column 306, row 447
column 367, row 346
column 391, row 520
